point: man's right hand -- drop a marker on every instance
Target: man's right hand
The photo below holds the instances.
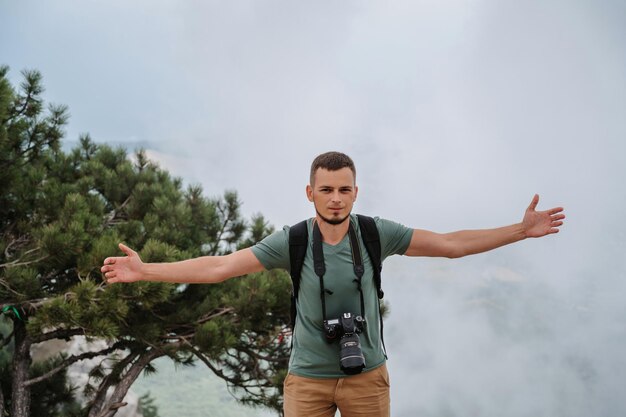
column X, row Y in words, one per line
column 205, row 269
column 123, row 268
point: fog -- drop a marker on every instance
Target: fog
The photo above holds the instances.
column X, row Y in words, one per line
column 487, row 338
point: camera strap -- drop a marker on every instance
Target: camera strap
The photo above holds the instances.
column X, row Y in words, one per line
column 320, row 267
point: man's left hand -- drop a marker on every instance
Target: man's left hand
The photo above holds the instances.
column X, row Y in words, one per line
column 541, row 223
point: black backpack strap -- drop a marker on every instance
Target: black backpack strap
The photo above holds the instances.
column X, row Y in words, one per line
column 298, row 243
column 371, row 238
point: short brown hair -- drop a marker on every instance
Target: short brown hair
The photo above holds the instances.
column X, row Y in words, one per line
column 332, row 161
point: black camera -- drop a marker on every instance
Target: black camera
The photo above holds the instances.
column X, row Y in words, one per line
column 346, row 328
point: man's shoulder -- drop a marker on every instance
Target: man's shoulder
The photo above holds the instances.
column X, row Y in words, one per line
column 380, row 222
column 273, row 250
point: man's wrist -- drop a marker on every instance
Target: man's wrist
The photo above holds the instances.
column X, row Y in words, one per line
column 520, row 231
column 148, row 272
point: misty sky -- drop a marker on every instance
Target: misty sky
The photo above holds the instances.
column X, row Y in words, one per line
column 455, row 112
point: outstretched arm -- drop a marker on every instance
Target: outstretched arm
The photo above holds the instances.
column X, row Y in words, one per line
column 467, row 242
column 206, row 269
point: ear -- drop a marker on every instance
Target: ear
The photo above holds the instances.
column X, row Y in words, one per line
column 309, row 192
column 356, row 192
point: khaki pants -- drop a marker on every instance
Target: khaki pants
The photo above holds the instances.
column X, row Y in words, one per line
column 362, row 395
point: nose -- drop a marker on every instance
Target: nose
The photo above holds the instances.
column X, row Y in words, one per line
column 335, row 197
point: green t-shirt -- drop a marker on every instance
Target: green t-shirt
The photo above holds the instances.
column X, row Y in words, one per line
column 311, row 355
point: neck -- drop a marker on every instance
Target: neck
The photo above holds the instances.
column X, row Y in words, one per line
column 332, row 233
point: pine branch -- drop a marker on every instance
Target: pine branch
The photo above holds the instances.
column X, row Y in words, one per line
column 218, row 240
column 28, row 305
column 23, row 153
column 58, row 334
column 17, row 263
column 72, row 359
column 33, row 305
column 28, row 252
column 220, row 312
column 11, row 290
column 19, row 240
column 229, row 215
column 191, row 326
column 258, row 356
column 110, row 221
column 207, row 362
column 15, row 113
column 232, row 380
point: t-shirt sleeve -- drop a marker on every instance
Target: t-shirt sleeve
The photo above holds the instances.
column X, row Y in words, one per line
column 394, row 237
column 273, row 251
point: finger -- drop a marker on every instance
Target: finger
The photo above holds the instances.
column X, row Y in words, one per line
column 555, row 210
column 109, row 261
column 107, row 268
column 534, row 202
column 128, row 251
column 558, row 217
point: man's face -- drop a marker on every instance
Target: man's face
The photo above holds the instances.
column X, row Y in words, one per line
column 333, row 194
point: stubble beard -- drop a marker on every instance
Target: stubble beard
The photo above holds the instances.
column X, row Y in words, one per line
column 333, row 222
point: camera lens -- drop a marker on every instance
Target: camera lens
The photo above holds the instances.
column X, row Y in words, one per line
column 351, row 357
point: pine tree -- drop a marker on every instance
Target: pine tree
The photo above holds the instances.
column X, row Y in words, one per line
column 62, row 213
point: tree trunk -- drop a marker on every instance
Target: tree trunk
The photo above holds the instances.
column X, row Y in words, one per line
column 20, row 397
column 1, row 402
column 121, row 389
column 99, row 399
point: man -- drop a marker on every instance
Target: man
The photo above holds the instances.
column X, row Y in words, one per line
column 316, row 386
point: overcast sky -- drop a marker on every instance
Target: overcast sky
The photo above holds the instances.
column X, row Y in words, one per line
column 455, row 112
